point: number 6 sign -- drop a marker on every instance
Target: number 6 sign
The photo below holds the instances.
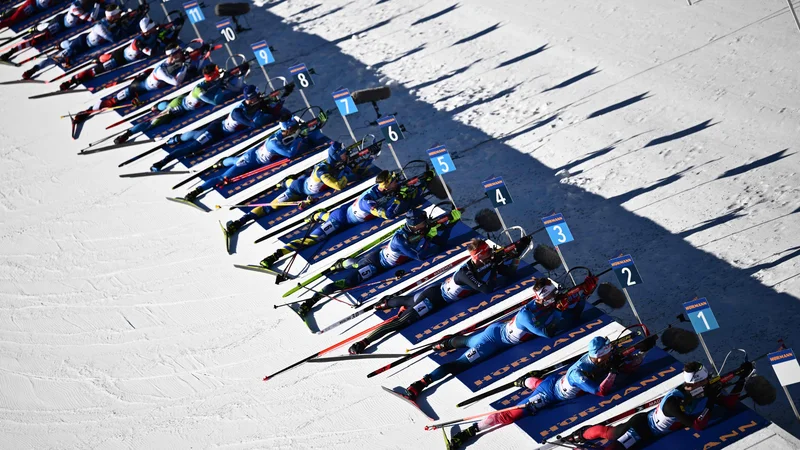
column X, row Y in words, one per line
column 390, row 129
column 701, row 316
column 497, row 192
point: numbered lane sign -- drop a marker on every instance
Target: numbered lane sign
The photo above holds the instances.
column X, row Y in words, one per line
column 194, row 12
column 390, row 129
column 263, row 55
column 301, row 76
column 226, row 30
column 557, row 229
column 784, row 363
column 699, row 312
column 441, row 160
column 625, row 270
column 497, row 192
column 344, row 102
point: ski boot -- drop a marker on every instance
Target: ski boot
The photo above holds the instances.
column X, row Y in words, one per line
column 122, row 138
column 7, row 55
column 28, row 74
column 81, row 117
column 157, row 166
column 416, row 387
column 463, row 436
column 444, row 345
column 271, row 259
column 305, row 204
column 65, row 86
column 192, row 195
column 233, row 226
column 358, row 347
column 383, row 304
column 305, row 308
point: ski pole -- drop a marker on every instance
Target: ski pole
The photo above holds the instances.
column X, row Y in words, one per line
column 96, row 111
column 353, row 357
column 260, row 204
column 436, row 426
column 325, row 295
column 272, row 165
column 329, row 349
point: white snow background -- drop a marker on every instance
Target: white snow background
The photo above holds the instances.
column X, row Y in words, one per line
column 124, row 324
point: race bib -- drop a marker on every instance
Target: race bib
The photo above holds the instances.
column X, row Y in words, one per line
column 122, row 95
column 328, row 228
column 110, row 64
column 422, row 308
column 204, row 138
column 365, row 271
column 472, row 355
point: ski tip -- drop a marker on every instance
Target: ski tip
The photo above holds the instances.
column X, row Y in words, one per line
column 217, row 206
column 266, row 378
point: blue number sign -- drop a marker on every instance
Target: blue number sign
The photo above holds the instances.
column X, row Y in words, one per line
column 194, row 12
column 344, row 102
column 263, row 55
column 626, row 271
column 301, row 76
column 784, row 363
column 441, row 160
column 497, row 192
column 699, row 312
column 557, row 229
column 390, row 129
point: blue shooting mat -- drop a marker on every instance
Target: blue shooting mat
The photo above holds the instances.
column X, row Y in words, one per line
column 725, row 428
column 457, row 243
column 485, row 373
column 219, row 146
column 183, row 121
column 38, row 17
column 231, row 189
column 280, row 215
column 118, row 74
column 657, row 367
column 95, row 52
column 457, row 312
column 64, row 34
column 150, row 96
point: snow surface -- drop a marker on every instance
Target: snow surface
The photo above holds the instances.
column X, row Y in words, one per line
column 125, row 325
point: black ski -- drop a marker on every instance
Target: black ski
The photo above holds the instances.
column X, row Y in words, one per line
column 11, row 63
column 89, row 151
column 150, row 174
column 187, row 202
column 142, row 155
column 52, row 94
column 227, row 237
column 7, row 83
column 407, row 399
column 256, row 268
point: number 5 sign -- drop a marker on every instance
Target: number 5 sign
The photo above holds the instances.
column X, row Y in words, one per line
column 262, row 52
column 557, row 229
column 497, row 192
column 344, row 102
column 699, row 312
column 625, row 270
column 441, row 160
column 194, row 12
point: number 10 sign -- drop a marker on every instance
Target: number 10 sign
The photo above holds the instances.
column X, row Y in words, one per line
column 699, row 312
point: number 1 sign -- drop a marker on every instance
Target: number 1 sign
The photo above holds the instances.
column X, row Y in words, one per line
column 701, row 316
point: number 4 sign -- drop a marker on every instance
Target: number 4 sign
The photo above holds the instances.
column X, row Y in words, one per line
column 441, row 160
column 701, row 316
column 557, row 229
column 625, row 270
column 344, row 102
column 194, row 12
column 497, row 192
column 262, row 52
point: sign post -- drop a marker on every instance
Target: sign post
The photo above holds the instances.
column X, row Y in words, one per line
column 784, row 363
column 264, row 57
column 195, row 15
column 702, row 318
column 559, row 234
column 302, row 78
column 392, row 132
column 495, row 188
column 346, row 107
column 627, row 275
column 442, row 164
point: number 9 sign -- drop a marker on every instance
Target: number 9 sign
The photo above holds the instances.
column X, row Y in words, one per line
column 441, row 160
column 557, row 229
column 262, row 52
column 301, row 76
column 626, row 271
column 224, row 27
column 699, row 312
column 497, row 192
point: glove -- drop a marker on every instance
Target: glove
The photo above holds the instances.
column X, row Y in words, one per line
column 746, row 368
column 428, row 175
column 432, row 232
column 455, row 215
column 701, row 421
column 288, row 89
column 589, row 284
column 520, row 382
column 522, row 244
column 383, row 304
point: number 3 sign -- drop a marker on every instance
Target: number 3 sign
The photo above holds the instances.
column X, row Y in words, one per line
column 497, row 192
column 699, row 312
column 557, row 229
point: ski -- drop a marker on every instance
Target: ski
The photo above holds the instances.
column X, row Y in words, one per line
column 53, row 94
column 89, row 151
column 256, row 268
column 187, row 202
column 151, row 174
column 227, row 237
column 142, row 155
column 405, row 398
column 446, row 440
column 10, row 63
column 8, row 83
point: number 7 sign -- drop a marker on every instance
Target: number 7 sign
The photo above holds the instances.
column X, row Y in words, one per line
column 344, row 102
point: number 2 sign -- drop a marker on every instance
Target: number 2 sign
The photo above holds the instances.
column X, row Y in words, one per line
column 497, row 192
column 701, row 316
column 626, row 271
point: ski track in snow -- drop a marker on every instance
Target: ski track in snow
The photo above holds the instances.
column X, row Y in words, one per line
column 657, row 129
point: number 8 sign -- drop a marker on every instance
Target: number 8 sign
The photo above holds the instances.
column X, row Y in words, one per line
column 497, row 192
column 701, row 316
column 262, row 52
column 625, row 270
column 557, row 229
column 301, row 75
